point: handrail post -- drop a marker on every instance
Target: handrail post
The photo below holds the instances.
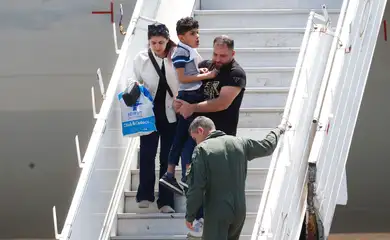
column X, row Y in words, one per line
column 56, row 234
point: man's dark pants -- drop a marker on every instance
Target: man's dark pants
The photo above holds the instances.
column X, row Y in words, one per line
column 218, row 227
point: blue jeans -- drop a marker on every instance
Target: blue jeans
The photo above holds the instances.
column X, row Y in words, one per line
column 182, row 141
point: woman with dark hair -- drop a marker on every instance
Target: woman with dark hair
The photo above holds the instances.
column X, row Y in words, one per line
column 153, row 68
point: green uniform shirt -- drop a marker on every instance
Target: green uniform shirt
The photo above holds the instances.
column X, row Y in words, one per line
column 218, row 172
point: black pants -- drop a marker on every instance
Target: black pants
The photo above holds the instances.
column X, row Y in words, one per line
column 148, row 151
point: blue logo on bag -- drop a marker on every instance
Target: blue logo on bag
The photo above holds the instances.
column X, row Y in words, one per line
column 135, row 112
column 136, row 104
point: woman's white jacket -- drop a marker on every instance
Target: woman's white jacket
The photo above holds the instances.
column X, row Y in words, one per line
column 144, row 73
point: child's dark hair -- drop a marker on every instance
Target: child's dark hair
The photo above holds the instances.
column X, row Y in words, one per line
column 185, row 25
column 160, row 30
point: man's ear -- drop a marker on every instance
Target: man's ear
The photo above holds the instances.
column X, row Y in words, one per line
column 233, row 53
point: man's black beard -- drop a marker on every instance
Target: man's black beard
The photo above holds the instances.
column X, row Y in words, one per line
column 214, row 66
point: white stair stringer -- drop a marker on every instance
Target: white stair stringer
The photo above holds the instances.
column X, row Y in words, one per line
column 269, row 59
column 283, row 206
column 339, row 107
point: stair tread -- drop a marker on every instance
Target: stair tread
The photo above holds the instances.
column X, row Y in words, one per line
column 268, row 69
column 262, row 109
column 258, row 49
column 268, row 10
column 250, row 170
column 247, row 193
column 256, row 109
column 157, row 237
column 244, row 30
column 162, row 215
column 267, row 89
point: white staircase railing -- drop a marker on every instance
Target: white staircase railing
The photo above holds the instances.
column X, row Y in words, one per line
column 311, row 160
column 347, row 72
column 282, row 206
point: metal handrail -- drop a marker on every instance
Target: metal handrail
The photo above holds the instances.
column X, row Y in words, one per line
column 257, row 231
column 117, row 195
column 275, row 158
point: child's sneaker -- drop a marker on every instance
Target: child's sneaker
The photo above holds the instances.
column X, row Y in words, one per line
column 171, row 183
column 198, row 229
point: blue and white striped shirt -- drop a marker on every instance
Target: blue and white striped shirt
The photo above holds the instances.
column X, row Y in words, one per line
column 188, row 58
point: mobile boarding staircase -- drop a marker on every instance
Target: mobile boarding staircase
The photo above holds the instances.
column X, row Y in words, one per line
column 302, row 68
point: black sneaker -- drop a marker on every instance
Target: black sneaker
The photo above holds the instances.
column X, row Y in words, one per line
column 171, row 183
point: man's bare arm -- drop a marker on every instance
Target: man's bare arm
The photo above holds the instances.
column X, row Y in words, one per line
column 225, row 99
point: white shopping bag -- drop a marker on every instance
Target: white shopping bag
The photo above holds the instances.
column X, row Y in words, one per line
column 138, row 119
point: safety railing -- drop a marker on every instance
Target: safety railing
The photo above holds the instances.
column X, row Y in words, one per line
column 259, row 228
column 281, row 208
column 124, row 177
column 337, row 113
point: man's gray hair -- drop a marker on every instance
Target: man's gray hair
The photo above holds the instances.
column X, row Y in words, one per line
column 203, row 122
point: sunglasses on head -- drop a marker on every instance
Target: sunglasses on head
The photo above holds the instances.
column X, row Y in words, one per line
column 158, row 29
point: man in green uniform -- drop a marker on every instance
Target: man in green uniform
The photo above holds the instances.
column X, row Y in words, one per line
column 217, row 177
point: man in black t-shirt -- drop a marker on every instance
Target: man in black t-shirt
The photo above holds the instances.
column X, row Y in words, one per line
column 224, row 93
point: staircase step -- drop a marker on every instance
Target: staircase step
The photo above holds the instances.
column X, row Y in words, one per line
column 255, row 37
column 268, row 76
column 269, row 4
column 257, row 18
column 163, row 224
column 166, row 237
column 261, row 57
column 265, row 97
column 260, row 117
column 253, row 198
column 255, row 179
